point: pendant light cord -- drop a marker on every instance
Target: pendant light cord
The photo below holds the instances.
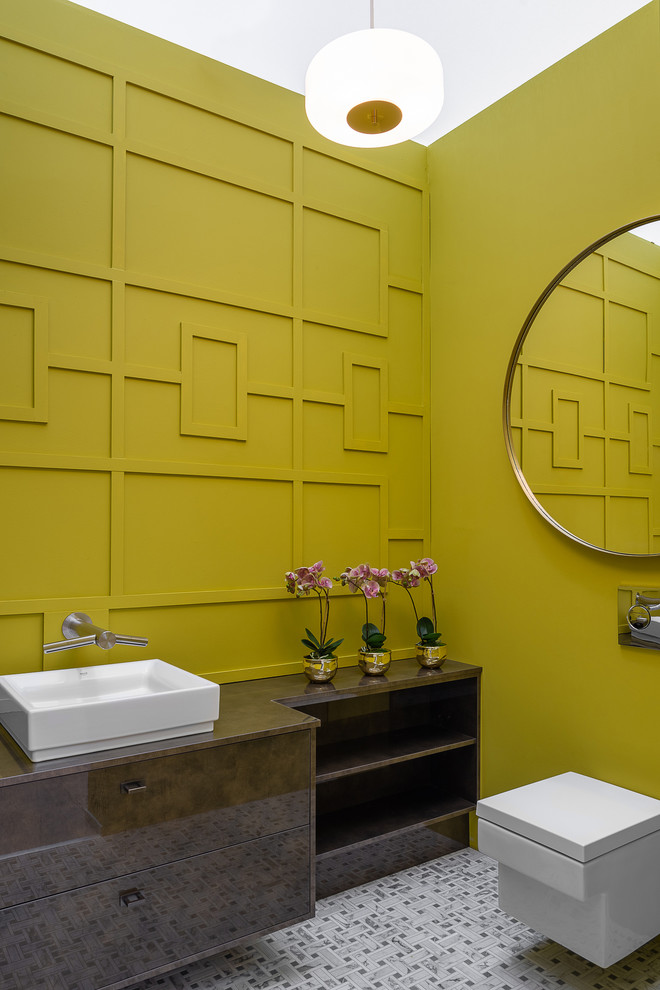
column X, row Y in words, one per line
column 372, row 14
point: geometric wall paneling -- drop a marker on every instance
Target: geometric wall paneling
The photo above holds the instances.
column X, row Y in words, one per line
column 365, row 403
column 402, row 551
column 213, row 383
column 153, row 433
column 322, row 361
column 627, row 350
column 78, row 309
column 182, row 532
column 190, row 227
column 323, row 441
column 78, row 421
column 65, row 209
column 48, row 507
column 407, row 485
column 212, row 141
column 583, row 398
column 628, row 524
column 639, row 424
column 589, row 276
column 343, row 523
column 568, row 332
column 203, row 274
column 23, row 357
column 345, row 272
column 567, row 430
column 406, row 342
column 579, row 513
column 622, row 480
column 20, row 642
column 47, row 84
column 219, row 630
column 348, row 189
column 153, row 334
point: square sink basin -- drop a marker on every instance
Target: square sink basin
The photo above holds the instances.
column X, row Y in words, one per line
column 56, row 713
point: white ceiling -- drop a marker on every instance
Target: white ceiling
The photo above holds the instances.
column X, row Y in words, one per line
column 487, row 47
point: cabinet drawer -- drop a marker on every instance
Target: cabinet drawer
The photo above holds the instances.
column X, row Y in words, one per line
column 135, row 795
column 63, row 832
column 100, row 936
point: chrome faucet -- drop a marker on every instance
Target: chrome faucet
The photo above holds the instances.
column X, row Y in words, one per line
column 639, row 614
column 78, row 630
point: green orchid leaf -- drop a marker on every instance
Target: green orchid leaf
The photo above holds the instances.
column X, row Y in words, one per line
column 425, row 627
column 314, row 647
column 313, row 638
column 368, row 628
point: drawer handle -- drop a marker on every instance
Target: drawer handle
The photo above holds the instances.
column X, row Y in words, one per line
column 132, row 786
column 132, row 896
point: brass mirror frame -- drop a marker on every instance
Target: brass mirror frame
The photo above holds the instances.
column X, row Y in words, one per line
column 508, row 387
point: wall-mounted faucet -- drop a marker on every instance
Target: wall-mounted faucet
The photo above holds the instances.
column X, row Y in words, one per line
column 639, row 614
column 79, row 630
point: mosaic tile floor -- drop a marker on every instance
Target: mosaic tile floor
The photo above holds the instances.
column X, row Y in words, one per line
column 432, row 927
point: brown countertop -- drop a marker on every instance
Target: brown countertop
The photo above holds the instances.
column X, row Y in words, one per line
column 248, row 710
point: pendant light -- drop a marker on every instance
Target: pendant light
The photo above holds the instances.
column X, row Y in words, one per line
column 373, row 88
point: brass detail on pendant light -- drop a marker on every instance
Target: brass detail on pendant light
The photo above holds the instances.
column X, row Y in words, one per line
column 373, row 88
column 374, row 117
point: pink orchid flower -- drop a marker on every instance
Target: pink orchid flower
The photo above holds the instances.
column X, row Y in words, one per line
column 406, row 578
column 425, row 567
column 381, row 577
column 371, row 589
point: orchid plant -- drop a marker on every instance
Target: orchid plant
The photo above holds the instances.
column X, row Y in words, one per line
column 412, row 577
column 302, row 582
column 372, row 582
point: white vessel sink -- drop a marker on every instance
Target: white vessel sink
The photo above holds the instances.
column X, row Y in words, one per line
column 55, row 713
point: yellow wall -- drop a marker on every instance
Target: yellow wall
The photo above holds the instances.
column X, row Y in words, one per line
column 218, row 334
column 516, row 193
column 214, row 342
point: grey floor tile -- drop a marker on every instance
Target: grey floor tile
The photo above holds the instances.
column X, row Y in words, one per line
column 436, row 926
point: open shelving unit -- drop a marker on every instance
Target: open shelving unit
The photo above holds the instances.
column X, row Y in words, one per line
column 394, row 755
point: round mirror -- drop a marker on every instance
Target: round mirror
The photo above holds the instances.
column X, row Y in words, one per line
column 582, row 397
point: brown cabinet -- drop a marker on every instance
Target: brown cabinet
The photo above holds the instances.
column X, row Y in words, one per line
column 117, row 872
column 397, row 769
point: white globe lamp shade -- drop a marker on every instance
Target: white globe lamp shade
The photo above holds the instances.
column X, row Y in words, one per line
column 373, row 88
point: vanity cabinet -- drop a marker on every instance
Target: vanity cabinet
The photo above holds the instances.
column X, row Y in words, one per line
column 397, row 765
column 116, row 872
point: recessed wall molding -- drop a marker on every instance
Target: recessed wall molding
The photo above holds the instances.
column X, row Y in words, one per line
column 365, row 403
column 567, row 431
column 23, row 357
column 213, row 382
column 640, row 444
column 342, row 250
column 204, row 273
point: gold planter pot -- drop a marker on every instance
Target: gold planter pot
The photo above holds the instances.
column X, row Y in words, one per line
column 431, row 656
column 320, row 670
column 374, row 661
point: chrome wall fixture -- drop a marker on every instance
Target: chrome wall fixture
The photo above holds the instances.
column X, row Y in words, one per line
column 639, row 614
column 79, row 630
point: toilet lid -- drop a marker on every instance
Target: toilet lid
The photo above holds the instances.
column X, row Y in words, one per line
column 576, row 815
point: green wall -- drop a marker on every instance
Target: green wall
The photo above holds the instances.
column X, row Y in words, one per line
column 516, row 193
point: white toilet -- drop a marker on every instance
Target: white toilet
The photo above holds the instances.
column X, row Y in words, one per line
column 579, row 861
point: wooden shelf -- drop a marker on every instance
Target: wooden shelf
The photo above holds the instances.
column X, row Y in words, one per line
column 374, row 819
column 358, row 756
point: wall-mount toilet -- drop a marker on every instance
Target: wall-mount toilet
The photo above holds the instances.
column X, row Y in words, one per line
column 579, row 861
